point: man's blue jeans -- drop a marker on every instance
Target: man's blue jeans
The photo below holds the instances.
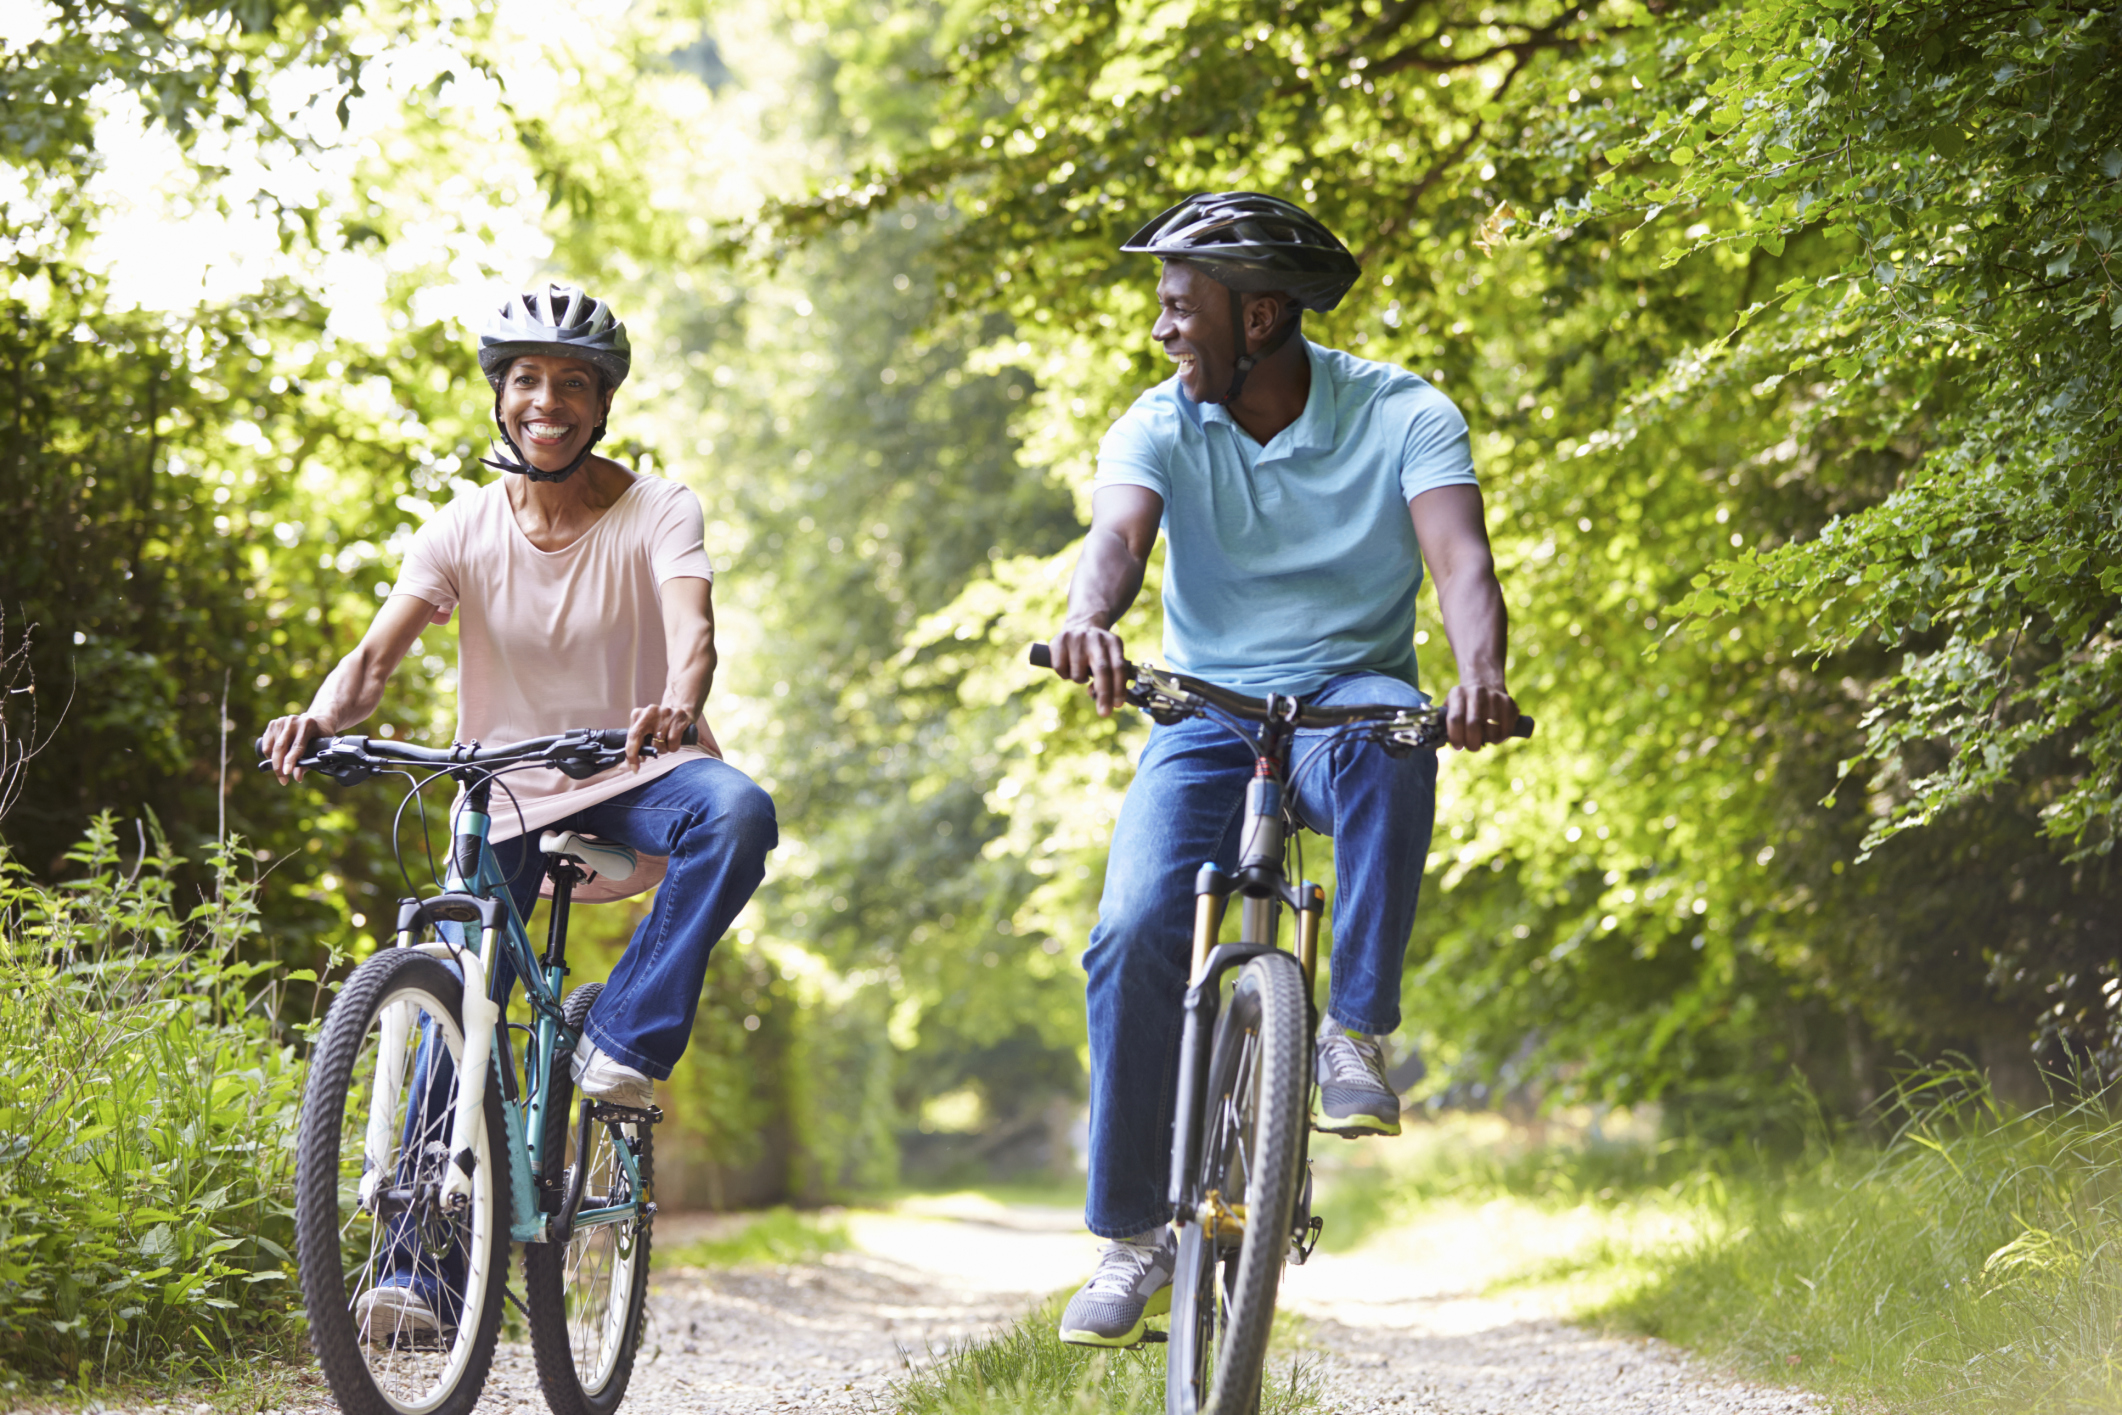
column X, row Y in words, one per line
column 1183, row 809
column 717, row 827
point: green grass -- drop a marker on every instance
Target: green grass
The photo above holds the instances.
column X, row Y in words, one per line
column 777, row 1236
column 1026, row 1370
column 1969, row 1265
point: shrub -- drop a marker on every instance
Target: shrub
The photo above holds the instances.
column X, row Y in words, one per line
column 147, row 1108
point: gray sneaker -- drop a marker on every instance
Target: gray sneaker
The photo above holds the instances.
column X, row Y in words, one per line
column 1132, row 1284
column 1354, row 1097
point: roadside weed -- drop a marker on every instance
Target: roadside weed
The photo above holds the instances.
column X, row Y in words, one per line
column 146, row 1122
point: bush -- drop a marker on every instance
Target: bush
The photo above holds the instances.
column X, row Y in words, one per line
column 147, row 1111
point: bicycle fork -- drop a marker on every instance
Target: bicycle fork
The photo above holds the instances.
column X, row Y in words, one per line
column 1263, row 890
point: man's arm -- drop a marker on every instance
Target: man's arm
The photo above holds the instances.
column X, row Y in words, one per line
column 1454, row 537
column 689, row 646
column 355, row 687
column 1123, row 531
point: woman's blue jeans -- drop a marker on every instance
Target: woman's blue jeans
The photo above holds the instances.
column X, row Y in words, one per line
column 1184, row 809
column 717, row 827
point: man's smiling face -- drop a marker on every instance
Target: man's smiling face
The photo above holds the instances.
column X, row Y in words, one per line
column 1194, row 326
column 551, row 406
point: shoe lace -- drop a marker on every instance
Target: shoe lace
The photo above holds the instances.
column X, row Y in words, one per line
column 1120, row 1268
column 1354, row 1061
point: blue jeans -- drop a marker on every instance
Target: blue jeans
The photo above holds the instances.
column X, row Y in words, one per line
column 717, row 827
column 1185, row 808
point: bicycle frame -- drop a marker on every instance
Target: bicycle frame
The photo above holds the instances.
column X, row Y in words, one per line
column 1263, row 888
column 476, row 894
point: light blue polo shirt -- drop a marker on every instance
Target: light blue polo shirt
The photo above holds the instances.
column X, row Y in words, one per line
column 1294, row 563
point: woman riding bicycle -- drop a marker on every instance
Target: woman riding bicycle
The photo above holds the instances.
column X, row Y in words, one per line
column 585, row 598
column 1302, row 489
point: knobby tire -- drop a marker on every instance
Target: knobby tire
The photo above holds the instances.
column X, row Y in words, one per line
column 1223, row 1291
column 342, row 1246
column 584, row 1344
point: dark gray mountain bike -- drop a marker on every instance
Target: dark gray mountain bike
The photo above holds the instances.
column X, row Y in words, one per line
column 426, row 1145
column 1241, row 1127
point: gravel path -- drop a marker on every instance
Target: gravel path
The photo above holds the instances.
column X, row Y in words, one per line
column 1399, row 1326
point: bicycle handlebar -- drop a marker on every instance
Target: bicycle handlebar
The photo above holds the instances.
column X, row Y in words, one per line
column 582, row 752
column 1148, row 681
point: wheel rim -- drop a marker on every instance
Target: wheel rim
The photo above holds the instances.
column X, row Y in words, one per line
column 602, row 1264
column 406, row 1235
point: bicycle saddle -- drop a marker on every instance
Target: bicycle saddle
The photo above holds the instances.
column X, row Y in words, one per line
column 614, row 862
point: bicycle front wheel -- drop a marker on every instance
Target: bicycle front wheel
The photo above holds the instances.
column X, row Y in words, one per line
column 1231, row 1251
column 587, row 1298
column 403, row 1288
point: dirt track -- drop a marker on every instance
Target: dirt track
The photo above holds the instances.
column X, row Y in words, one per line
column 1399, row 1325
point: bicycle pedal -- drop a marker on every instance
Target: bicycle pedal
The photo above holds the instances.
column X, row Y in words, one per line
column 1153, row 1337
column 625, row 1114
column 1301, row 1244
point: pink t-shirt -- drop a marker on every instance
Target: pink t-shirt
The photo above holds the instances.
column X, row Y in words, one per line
column 554, row 640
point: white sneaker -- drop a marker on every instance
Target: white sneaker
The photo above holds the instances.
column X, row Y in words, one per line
column 395, row 1313
column 602, row 1077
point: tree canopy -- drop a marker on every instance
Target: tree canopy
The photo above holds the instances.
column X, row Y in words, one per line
column 1786, row 333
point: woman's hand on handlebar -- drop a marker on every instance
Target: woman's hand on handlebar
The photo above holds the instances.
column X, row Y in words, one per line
column 1478, row 715
column 665, row 726
column 1092, row 654
column 286, row 741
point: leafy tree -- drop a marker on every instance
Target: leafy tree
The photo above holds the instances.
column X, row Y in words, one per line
column 1652, row 895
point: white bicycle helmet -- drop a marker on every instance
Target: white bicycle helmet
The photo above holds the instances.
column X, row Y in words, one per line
column 559, row 320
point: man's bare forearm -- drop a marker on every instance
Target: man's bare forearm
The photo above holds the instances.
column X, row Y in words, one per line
column 1470, row 601
column 1107, row 579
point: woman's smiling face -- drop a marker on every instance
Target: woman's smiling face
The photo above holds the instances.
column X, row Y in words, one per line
column 551, row 406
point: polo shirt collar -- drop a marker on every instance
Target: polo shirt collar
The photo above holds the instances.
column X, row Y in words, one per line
column 1313, row 431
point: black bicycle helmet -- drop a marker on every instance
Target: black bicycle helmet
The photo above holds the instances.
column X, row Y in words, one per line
column 1253, row 243
column 557, row 320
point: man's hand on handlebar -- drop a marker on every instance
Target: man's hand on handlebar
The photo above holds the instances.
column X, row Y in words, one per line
column 287, row 740
column 1478, row 715
column 665, row 726
column 1090, row 653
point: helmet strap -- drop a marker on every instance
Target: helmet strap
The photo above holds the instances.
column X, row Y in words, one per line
column 521, row 465
column 1245, row 362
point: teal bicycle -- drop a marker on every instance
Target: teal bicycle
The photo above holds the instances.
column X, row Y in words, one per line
column 428, row 1144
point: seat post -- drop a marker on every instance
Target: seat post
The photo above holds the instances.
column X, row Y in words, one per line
column 566, row 874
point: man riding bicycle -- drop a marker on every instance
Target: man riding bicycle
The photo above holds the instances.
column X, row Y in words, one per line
column 1302, row 490
column 585, row 597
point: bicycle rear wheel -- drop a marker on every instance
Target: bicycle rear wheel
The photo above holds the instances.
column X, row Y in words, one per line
column 587, row 1299
column 1231, row 1254
column 403, row 1294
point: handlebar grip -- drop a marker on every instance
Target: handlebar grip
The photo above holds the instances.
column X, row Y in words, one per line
column 1042, row 656
column 1524, row 727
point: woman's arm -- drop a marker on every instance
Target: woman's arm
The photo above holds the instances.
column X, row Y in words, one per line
column 355, row 687
column 689, row 645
